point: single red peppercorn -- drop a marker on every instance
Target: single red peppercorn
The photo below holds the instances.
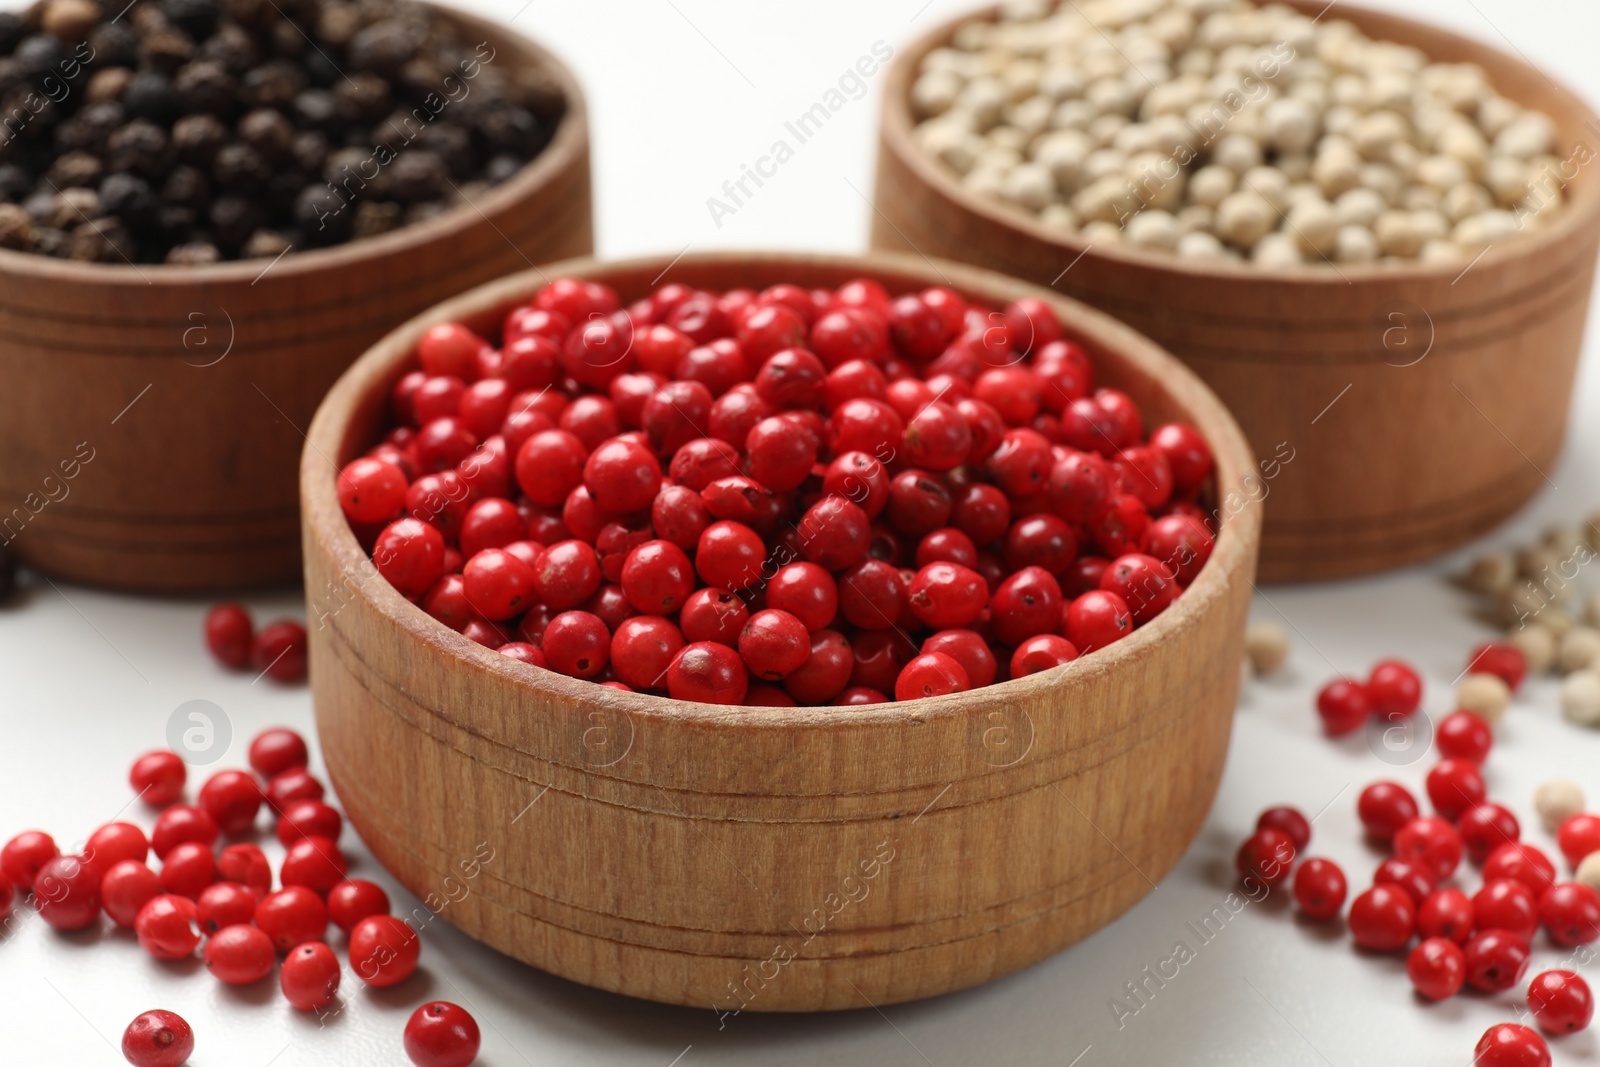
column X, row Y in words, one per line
column 1511, row 1045
column 1042, row 652
column 1571, row 913
column 1503, row 904
column 1290, row 821
column 1417, row 880
column 1463, row 735
column 930, row 674
column 66, row 893
column 1496, row 959
column 292, row 916
column 1431, row 840
column 1502, row 659
column 383, row 950
column 1446, row 913
column 277, row 750
column 1454, row 786
column 247, row 865
column 352, row 900
column 232, row 799
column 1267, row 855
column 1561, row 1002
column 168, row 927
column 294, row 784
column 1383, row 918
column 1096, row 619
column 115, row 842
column 1344, row 706
column 158, row 777
column 709, row 673
column 229, row 632
column 441, row 1034
column 1521, row 862
column 1437, row 968
column 310, row 976
column 1395, row 689
column 1320, row 888
column 126, row 888
column 1579, row 837
column 224, row 904
column 313, row 862
column 157, row 1039
column 1484, row 828
column 1384, row 807
column 188, row 868
column 239, row 955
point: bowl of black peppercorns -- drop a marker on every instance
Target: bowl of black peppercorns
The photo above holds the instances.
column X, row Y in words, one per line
column 208, row 209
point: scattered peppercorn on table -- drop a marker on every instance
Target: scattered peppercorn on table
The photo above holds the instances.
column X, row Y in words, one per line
column 1230, row 960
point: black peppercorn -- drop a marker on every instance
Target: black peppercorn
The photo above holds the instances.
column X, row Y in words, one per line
column 376, row 216
column 238, row 168
column 14, row 182
column 150, row 96
column 75, row 168
column 269, row 133
column 39, row 54
column 416, row 176
column 233, row 220
column 195, row 253
column 115, row 44
column 41, row 206
column 316, row 109
column 264, row 244
column 128, row 197
column 382, row 47
column 196, row 139
column 177, row 224
column 453, row 145
column 12, row 30
column 273, row 84
column 286, row 39
column 74, row 206
column 501, row 168
column 88, row 130
column 310, row 151
column 197, row 18
column 17, row 229
column 363, row 98
column 104, row 240
column 510, row 129
column 187, row 187
column 233, row 48
column 322, row 216
column 69, row 20
column 338, row 23
column 206, row 85
column 142, row 147
column 107, row 84
column 166, row 50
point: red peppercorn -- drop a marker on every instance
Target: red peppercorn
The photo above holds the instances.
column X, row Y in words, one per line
column 1484, row 828
column 279, row 651
column 1384, row 807
column 409, row 554
column 1561, row 1002
column 157, row 1039
column 774, row 643
column 930, row 674
column 709, row 673
column 1096, row 619
column 158, row 777
column 188, row 868
column 383, row 950
column 313, row 862
column 1446, row 913
column 1417, row 880
column 1437, row 968
column 1501, row 659
column 126, row 888
column 1320, row 888
column 1290, row 821
column 872, row 595
column 229, row 631
column 1267, row 855
column 1431, row 840
column 1454, row 786
column 1503, row 904
column 1571, row 913
column 292, row 916
column 181, row 823
column 277, row 750
column 168, row 927
column 1383, row 918
column 239, row 955
column 966, row 647
column 1463, row 735
column 1496, row 959
column 441, row 1034
column 1344, row 706
column 833, row 533
column 826, row 671
column 353, row 900
column 294, row 784
column 224, row 904
column 310, row 976
column 115, row 842
column 947, row 595
column 1027, row 604
column 1579, row 837
column 1395, row 689
column 247, row 865
column 66, row 893
column 232, row 799
column 308, row 818
column 1521, row 862
column 1510, row 1045
column 1187, row 454
column 370, row 491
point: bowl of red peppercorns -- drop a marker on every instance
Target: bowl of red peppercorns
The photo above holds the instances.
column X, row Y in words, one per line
column 1374, row 238
column 208, row 209
column 796, row 628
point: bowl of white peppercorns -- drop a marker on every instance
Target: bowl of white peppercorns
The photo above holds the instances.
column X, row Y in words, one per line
column 208, row 209
column 1373, row 238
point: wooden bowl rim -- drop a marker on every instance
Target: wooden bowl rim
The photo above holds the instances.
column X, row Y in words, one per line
column 570, row 141
column 1233, row 555
column 1582, row 211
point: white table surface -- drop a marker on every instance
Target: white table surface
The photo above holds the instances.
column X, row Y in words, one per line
column 683, row 92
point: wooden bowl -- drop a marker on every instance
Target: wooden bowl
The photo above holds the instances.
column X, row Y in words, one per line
column 151, row 417
column 790, row 860
column 1422, row 404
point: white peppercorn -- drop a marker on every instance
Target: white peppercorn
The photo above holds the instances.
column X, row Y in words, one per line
column 1485, row 695
column 1267, row 647
column 1355, row 244
column 1199, row 245
column 1580, row 698
column 1556, row 801
column 1579, row 649
column 1538, row 647
column 1588, row 872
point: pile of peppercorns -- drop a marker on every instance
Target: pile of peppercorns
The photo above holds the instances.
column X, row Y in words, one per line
column 1486, row 940
column 191, row 131
column 225, row 900
column 778, row 498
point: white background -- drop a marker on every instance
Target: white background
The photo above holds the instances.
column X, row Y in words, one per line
column 682, row 93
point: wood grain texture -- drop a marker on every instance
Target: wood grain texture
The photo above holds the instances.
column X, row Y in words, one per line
column 193, row 487
column 776, row 859
column 1452, row 385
